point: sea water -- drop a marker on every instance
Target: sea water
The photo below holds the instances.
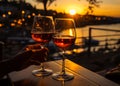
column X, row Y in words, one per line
column 84, row 32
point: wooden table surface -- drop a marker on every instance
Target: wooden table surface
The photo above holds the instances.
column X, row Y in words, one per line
column 82, row 76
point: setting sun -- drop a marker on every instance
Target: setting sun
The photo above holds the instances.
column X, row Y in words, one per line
column 72, row 12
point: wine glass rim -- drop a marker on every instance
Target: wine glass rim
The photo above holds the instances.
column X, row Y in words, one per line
column 64, row 19
column 71, row 19
column 43, row 16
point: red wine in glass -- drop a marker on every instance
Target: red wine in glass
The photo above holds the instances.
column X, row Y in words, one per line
column 44, row 37
column 64, row 41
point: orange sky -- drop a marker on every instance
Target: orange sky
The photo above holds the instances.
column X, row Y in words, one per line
column 107, row 7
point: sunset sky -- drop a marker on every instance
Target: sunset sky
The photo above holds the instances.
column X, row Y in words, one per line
column 107, row 7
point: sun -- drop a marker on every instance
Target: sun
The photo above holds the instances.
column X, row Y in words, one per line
column 72, row 11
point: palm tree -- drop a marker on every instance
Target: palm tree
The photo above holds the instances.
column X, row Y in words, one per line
column 45, row 3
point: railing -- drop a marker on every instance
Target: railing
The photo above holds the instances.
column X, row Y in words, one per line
column 107, row 40
column 88, row 44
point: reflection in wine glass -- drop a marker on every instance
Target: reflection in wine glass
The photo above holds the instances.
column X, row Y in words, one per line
column 42, row 32
column 64, row 37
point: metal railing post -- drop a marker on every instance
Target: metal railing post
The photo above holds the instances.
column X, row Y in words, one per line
column 89, row 42
column 1, row 50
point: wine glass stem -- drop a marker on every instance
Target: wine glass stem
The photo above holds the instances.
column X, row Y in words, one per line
column 63, row 63
column 42, row 66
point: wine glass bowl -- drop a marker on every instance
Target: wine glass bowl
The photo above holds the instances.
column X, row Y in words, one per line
column 64, row 38
column 43, row 29
column 42, row 32
column 64, row 41
column 43, row 37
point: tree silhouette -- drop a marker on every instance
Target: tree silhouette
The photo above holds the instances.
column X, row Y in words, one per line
column 92, row 4
column 45, row 3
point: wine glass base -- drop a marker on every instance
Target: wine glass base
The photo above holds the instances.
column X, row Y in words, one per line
column 63, row 77
column 40, row 72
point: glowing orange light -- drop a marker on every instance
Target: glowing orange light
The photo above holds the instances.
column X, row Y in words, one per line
column 9, row 12
column 29, row 16
column 12, row 24
column 3, row 15
column 1, row 25
column 23, row 12
column 33, row 14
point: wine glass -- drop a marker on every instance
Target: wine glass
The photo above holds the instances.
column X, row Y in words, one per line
column 42, row 32
column 64, row 37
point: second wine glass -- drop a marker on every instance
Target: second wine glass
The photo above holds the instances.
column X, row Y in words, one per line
column 65, row 35
column 42, row 32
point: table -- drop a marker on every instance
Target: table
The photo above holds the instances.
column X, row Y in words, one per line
column 83, row 76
